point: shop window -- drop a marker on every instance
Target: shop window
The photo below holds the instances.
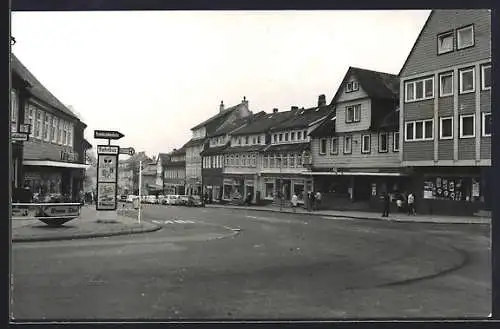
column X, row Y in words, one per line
column 322, row 146
column 365, row 144
column 465, row 37
column 298, row 190
column 395, row 147
column 486, row 125
column 269, row 190
column 445, row 42
column 446, row 128
column 446, row 84
column 467, row 81
column 452, row 188
column 227, row 192
column 486, row 77
column 467, row 126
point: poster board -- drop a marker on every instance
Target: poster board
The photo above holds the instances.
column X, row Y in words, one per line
column 107, row 177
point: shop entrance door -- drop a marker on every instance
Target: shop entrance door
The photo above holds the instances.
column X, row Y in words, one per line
column 287, row 187
column 249, row 189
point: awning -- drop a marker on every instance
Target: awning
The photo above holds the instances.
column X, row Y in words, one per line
column 352, row 173
column 60, row 164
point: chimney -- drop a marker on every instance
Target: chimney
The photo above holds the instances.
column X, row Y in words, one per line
column 245, row 102
column 321, row 100
column 221, row 106
column 275, row 110
column 294, row 108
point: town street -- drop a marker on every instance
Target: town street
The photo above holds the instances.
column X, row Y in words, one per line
column 209, row 263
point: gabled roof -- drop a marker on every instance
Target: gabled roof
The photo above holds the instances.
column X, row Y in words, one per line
column 219, row 117
column 37, row 88
column 194, row 142
column 302, row 118
column 180, row 151
column 326, row 128
column 390, row 121
column 263, row 123
column 226, row 129
column 377, row 85
column 164, row 157
column 416, row 41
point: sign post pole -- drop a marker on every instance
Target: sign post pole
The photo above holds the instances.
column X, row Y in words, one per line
column 140, row 194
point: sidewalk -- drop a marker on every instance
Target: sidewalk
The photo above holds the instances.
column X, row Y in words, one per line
column 86, row 226
column 396, row 217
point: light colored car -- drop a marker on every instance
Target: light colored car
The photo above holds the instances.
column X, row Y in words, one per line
column 183, row 200
column 131, row 197
column 194, row 201
column 173, row 199
column 161, row 198
column 151, row 199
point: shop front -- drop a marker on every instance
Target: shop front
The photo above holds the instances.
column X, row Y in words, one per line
column 213, row 184
column 274, row 187
column 237, row 187
column 456, row 191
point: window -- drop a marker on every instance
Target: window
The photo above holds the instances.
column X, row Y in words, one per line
column 265, row 161
column 347, row 144
column 467, row 126
column 60, row 131
column 419, row 130
column 467, row 81
column 269, row 190
column 275, row 137
column 334, row 146
column 365, row 144
column 304, row 134
column 299, row 135
column 351, row 86
column 486, row 125
column 292, row 135
column 446, row 128
column 395, row 146
column 46, row 127
column 30, row 112
column 246, row 140
column 419, row 89
column 292, row 160
column 281, row 138
column 38, row 124
column 383, row 142
column 237, row 160
column 258, row 139
column 322, row 146
column 486, row 77
column 446, row 84
column 239, row 140
column 445, row 42
column 353, row 113
column 465, row 37
column 254, row 160
column 286, row 137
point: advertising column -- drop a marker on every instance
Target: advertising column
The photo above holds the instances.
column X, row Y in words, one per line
column 107, row 180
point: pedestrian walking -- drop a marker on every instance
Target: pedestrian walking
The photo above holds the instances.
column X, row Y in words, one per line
column 295, row 200
column 411, row 204
column 312, row 201
column 318, row 200
column 386, row 205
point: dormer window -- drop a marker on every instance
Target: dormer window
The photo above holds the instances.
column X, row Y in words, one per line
column 465, row 37
column 299, row 135
column 445, row 42
column 246, row 140
column 351, row 86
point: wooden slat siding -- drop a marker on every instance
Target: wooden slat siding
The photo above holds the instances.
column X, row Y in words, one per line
column 424, row 56
column 345, row 97
column 39, row 150
column 445, row 149
column 446, row 106
column 421, row 110
column 486, row 101
column 467, row 149
column 485, row 147
column 365, row 116
column 418, row 151
column 356, row 159
column 467, row 104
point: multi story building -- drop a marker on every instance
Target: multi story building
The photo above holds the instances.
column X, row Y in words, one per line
column 128, row 173
column 213, row 156
column 286, row 161
column 445, row 102
column 53, row 159
column 195, row 146
column 355, row 150
column 148, row 180
column 174, row 175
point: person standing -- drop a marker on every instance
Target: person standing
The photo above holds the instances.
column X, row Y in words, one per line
column 411, row 204
column 295, row 200
column 318, row 200
column 387, row 204
column 312, row 201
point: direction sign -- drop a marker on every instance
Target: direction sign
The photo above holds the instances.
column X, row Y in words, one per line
column 20, row 137
column 107, row 134
column 108, row 149
column 127, row 150
column 25, row 128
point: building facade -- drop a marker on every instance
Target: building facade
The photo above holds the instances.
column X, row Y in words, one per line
column 356, row 149
column 196, row 145
column 174, row 175
column 53, row 159
column 445, row 102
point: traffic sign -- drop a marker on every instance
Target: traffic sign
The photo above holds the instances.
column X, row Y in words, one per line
column 25, row 128
column 107, row 134
column 20, row 137
column 127, row 150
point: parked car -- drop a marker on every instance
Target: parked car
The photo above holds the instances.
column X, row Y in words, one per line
column 194, row 201
column 183, row 200
column 123, row 198
column 151, row 199
column 171, row 199
column 131, row 197
column 160, row 198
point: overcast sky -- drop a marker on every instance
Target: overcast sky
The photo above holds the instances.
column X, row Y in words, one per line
column 155, row 75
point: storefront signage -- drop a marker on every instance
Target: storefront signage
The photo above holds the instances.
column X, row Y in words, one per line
column 61, row 210
column 69, row 156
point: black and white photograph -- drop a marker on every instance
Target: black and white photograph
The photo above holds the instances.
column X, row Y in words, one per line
column 250, row 165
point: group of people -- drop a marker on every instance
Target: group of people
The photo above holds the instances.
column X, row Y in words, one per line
column 401, row 202
column 312, row 201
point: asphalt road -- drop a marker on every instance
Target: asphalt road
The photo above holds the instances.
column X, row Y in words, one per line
column 209, row 263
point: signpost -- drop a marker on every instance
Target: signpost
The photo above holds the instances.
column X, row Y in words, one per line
column 127, row 150
column 20, row 136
